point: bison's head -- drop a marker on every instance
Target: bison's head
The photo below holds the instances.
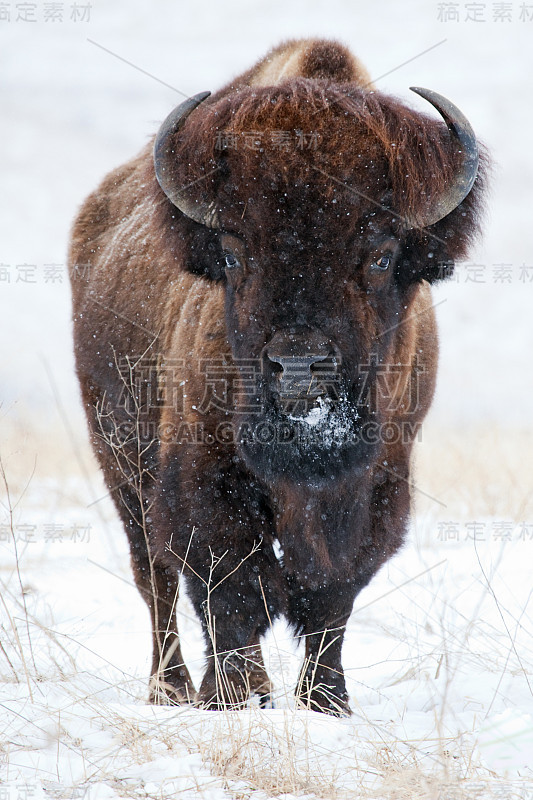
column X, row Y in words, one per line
column 321, row 208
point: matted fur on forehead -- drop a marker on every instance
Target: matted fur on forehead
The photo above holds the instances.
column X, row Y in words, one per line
column 367, row 141
column 344, row 131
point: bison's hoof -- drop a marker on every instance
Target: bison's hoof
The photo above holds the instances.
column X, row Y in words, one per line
column 228, row 684
column 230, row 690
column 210, row 701
column 163, row 693
column 266, row 701
column 325, row 701
column 223, row 695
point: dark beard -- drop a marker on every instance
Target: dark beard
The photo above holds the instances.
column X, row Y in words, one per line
column 315, row 445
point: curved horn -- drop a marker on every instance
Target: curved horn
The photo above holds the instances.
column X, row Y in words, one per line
column 164, row 162
column 464, row 141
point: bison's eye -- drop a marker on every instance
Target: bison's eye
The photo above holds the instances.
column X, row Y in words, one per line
column 233, row 257
column 231, row 260
column 382, row 263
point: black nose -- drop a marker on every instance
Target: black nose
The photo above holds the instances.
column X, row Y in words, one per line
column 295, row 359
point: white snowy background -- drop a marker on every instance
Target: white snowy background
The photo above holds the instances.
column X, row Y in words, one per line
column 439, row 651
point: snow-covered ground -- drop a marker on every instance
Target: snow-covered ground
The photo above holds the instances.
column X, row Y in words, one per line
column 439, row 651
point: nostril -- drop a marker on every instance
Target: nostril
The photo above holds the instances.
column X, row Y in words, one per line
column 298, row 367
column 275, row 362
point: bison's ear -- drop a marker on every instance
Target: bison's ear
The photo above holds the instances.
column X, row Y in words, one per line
column 201, row 253
column 430, row 253
column 423, row 261
column 194, row 247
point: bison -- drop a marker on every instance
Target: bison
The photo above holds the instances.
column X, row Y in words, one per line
column 256, row 347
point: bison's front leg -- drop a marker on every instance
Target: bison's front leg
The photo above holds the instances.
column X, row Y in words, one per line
column 320, row 532
column 322, row 544
column 170, row 681
column 321, row 615
column 215, row 527
column 353, row 541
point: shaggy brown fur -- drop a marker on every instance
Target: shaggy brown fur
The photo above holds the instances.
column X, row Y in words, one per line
column 313, row 174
